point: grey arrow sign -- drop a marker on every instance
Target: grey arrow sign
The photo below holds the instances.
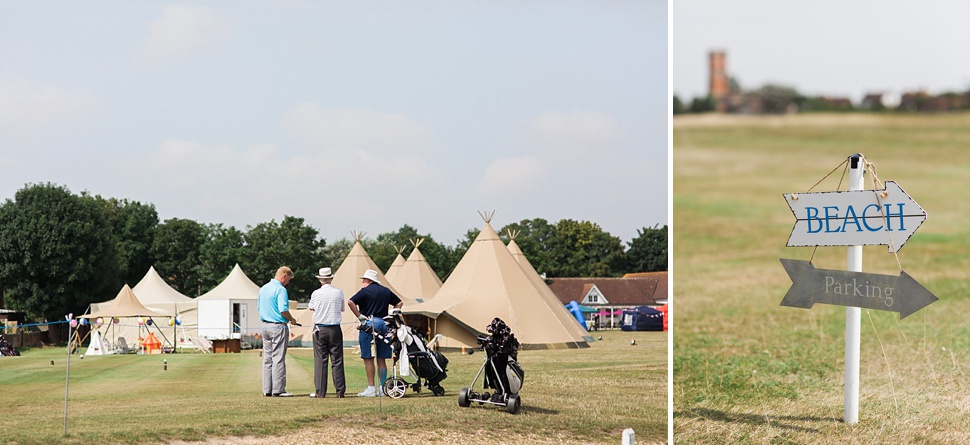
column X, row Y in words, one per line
column 896, row 293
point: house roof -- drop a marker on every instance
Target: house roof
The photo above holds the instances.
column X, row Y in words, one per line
column 631, row 290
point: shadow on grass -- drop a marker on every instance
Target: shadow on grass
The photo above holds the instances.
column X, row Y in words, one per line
column 537, row 410
column 783, row 422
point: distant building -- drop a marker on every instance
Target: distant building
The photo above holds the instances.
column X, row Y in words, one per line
column 612, row 295
column 722, row 90
column 914, row 101
column 828, row 103
column 719, row 85
column 880, row 101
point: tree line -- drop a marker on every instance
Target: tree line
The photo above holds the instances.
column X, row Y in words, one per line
column 60, row 251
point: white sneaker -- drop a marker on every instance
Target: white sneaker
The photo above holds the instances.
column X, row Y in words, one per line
column 284, row 394
column 369, row 392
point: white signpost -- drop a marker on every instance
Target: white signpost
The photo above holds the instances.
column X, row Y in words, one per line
column 852, row 218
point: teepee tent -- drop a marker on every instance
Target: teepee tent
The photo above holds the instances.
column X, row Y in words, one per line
column 392, row 271
column 416, row 279
column 489, row 283
column 347, row 279
column 548, row 296
column 96, row 347
column 230, row 307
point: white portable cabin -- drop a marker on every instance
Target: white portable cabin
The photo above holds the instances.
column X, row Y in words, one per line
column 230, row 309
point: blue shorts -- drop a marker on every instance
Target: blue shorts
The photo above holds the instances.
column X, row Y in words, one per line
column 365, row 339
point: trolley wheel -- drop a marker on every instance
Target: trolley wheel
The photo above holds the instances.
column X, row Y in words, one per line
column 513, row 404
column 395, row 387
column 438, row 390
column 463, row 398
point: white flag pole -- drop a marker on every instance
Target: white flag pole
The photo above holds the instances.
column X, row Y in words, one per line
column 853, row 315
column 67, row 373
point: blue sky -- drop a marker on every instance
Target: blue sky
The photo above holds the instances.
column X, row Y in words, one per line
column 354, row 115
column 824, row 47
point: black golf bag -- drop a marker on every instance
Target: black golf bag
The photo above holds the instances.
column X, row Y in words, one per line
column 502, row 372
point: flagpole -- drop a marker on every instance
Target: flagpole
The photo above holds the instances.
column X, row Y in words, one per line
column 853, row 315
column 67, row 378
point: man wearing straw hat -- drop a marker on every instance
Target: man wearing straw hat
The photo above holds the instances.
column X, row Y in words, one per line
column 370, row 305
column 327, row 304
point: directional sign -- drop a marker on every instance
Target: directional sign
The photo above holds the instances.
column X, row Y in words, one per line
column 854, row 218
column 896, row 293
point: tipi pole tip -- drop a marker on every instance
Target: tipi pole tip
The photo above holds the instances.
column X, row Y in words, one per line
column 486, row 216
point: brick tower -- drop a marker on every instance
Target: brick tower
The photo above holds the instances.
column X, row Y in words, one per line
column 718, row 88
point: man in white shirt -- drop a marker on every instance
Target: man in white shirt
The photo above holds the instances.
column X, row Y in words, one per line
column 327, row 303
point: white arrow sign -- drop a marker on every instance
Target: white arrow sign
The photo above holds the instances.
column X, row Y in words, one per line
column 855, row 218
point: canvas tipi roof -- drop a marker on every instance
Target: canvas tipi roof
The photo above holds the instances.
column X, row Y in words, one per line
column 347, row 279
column 416, row 279
column 489, row 283
column 548, row 296
column 125, row 304
column 392, row 271
column 236, row 286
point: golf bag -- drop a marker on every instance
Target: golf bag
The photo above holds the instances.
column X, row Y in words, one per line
column 500, row 369
column 6, row 348
column 430, row 366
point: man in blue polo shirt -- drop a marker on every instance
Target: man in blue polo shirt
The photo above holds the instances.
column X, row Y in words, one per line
column 274, row 311
column 370, row 305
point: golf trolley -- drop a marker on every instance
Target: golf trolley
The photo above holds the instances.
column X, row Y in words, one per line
column 500, row 369
column 426, row 365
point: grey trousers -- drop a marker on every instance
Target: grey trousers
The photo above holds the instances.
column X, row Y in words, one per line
column 275, row 341
column 328, row 344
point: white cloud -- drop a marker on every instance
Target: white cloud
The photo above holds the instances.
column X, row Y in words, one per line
column 350, row 188
column 377, row 133
column 573, row 136
column 516, row 175
column 23, row 104
column 182, row 31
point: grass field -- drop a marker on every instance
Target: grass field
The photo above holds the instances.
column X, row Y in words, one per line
column 569, row 396
column 747, row 370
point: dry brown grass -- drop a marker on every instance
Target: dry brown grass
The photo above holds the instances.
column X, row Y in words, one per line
column 750, row 371
column 569, row 397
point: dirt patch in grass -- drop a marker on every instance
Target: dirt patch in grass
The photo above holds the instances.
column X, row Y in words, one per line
column 344, row 434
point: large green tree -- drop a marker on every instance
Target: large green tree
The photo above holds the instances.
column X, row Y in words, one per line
column 583, row 249
column 224, row 247
column 288, row 243
column 464, row 244
column 440, row 258
column 177, row 251
column 333, row 254
column 133, row 224
column 648, row 251
column 533, row 237
column 57, row 252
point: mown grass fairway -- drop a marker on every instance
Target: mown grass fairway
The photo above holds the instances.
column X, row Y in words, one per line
column 583, row 396
column 747, row 370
